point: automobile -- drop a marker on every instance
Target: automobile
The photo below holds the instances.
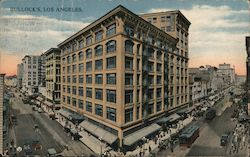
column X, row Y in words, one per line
column 224, row 138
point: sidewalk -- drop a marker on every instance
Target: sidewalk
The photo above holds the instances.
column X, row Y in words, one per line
column 152, row 144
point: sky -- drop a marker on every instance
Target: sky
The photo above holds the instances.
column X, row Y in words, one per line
column 216, row 35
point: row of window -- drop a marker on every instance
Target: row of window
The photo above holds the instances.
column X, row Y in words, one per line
column 110, row 30
column 110, row 112
column 110, row 79
column 110, row 94
column 149, row 110
column 110, row 64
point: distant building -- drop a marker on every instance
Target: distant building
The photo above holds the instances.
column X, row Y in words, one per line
column 4, row 117
column 53, row 77
column 177, row 25
column 31, row 74
column 19, row 75
column 248, row 71
column 240, row 80
column 227, row 73
column 11, row 81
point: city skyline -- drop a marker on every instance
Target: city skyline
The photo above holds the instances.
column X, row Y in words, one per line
column 209, row 44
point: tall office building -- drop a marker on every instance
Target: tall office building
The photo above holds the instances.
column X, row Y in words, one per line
column 31, row 74
column 2, row 127
column 248, row 71
column 177, row 25
column 115, row 73
column 19, row 75
column 53, row 77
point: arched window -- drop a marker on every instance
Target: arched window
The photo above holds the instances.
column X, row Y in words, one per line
column 129, row 46
column 88, row 53
column 111, row 46
column 80, row 56
column 98, row 50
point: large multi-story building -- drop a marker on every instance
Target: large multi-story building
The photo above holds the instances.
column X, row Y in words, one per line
column 115, row 73
column 227, row 73
column 31, row 74
column 53, row 77
column 248, row 71
column 4, row 123
column 19, row 75
column 177, row 25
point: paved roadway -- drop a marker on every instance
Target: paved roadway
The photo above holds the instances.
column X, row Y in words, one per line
column 208, row 143
column 49, row 132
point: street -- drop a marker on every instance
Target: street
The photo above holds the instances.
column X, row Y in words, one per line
column 33, row 126
column 208, row 142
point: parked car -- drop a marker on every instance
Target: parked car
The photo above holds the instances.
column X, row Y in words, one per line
column 210, row 114
column 224, row 138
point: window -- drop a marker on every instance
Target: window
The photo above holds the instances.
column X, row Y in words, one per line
column 88, row 53
column 80, row 56
column 150, row 109
column 158, row 79
column 64, row 79
column 89, row 66
column 111, row 30
column 98, row 50
column 74, row 90
column 168, row 18
column 128, row 96
column 111, row 46
column 73, row 68
column 68, row 79
column 98, row 64
column 111, row 78
column 64, row 98
column 74, row 78
column 98, row 35
column 129, row 31
column 80, row 68
column 80, row 104
column 74, row 101
column 158, row 106
column 111, row 95
column 128, row 79
column 73, row 58
column 158, row 67
column 150, row 66
column 98, row 79
column 98, row 110
column 128, row 115
column 68, row 69
column 68, row 100
column 150, row 94
column 98, row 94
column 129, row 46
column 68, row 59
column 64, row 88
column 68, row 89
column 111, row 114
column 154, row 19
column 138, row 79
column 88, row 40
column 149, row 20
column 137, row 112
column 80, row 78
column 89, row 79
column 163, row 18
column 89, row 92
column 80, row 44
column 69, row 49
column 138, row 96
column 129, row 63
column 80, row 91
column 158, row 94
column 88, row 106
column 111, row 62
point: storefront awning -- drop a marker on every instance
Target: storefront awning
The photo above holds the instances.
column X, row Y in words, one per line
column 76, row 116
column 171, row 118
column 99, row 132
column 138, row 135
column 49, row 104
column 64, row 113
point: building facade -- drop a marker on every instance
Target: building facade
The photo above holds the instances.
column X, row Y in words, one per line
column 248, row 72
column 177, row 25
column 53, row 76
column 227, row 73
column 115, row 73
column 2, row 123
column 31, row 74
column 19, row 75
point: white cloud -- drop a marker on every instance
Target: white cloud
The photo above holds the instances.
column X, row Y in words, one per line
column 27, row 34
column 214, row 35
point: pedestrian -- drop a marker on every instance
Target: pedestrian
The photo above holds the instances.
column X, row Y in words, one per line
column 149, row 149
